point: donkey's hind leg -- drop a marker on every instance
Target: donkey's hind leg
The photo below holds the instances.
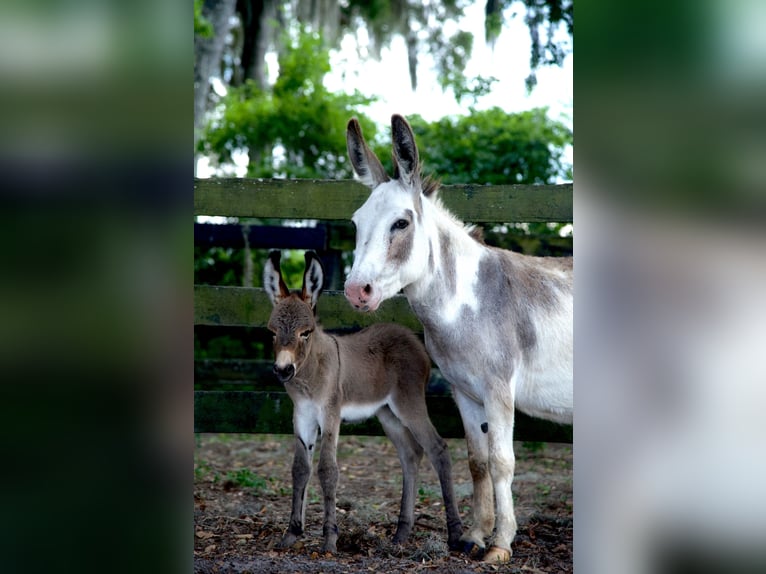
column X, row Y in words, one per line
column 410, row 453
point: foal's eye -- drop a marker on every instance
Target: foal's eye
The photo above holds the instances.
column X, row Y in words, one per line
column 305, row 335
column 400, row 224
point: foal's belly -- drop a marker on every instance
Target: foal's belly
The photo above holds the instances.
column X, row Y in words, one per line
column 354, row 412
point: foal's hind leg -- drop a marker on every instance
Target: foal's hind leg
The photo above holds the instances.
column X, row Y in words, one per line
column 410, row 453
column 438, row 453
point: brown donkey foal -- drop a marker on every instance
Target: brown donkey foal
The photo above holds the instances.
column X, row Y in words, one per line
column 382, row 370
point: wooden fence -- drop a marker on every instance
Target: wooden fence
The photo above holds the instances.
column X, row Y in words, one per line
column 219, row 403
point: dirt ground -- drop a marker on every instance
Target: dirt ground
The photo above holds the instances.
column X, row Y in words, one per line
column 242, row 491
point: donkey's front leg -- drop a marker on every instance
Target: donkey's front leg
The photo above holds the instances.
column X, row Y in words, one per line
column 328, row 479
column 502, row 464
column 301, row 476
column 483, row 515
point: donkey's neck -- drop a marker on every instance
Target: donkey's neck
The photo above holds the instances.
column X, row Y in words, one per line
column 322, row 364
column 449, row 281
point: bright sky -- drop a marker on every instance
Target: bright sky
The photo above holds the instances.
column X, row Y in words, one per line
column 388, row 79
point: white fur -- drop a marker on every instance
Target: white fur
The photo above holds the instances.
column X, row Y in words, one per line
column 358, row 412
column 306, row 417
column 284, row 358
column 373, row 220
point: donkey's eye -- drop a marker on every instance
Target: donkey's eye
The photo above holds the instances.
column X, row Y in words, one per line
column 305, row 335
column 400, row 224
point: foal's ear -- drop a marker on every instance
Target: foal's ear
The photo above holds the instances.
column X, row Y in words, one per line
column 313, row 279
column 366, row 164
column 405, row 150
column 273, row 283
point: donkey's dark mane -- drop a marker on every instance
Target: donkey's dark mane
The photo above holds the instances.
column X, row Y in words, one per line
column 430, row 185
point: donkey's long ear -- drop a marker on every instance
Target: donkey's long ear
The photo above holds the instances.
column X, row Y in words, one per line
column 273, row 283
column 366, row 164
column 405, row 150
column 313, row 279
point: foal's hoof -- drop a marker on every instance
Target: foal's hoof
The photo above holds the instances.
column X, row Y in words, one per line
column 497, row 554
column 328, row 548
column 286, row 542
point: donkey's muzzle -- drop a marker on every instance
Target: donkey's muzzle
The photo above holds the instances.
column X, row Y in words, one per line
column 361, row 296
column 285, row 373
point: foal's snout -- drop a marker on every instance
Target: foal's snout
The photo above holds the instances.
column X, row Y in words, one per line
column 285, row 373
column 361, row 296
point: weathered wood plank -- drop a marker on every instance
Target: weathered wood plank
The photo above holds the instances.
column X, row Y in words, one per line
column 338, row 199
column 211, row 371
column 271, row 412
column 250, row 307
column 254, row 374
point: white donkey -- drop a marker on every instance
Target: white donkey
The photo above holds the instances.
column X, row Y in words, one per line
column 497, row 323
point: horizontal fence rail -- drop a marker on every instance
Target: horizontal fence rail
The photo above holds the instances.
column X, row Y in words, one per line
column 338, row 199
column 236, row 395
column 250, row 307
column 271, row 412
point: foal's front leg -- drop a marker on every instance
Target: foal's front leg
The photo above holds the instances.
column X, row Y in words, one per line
column 328, row 479
column 301, row 476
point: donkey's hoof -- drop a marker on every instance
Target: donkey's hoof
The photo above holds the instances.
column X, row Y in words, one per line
column 472, row 550
column 497, row 554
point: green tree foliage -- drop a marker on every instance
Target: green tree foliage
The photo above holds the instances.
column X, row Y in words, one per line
column 492, row 147
column 296, row 129
column 202, row 27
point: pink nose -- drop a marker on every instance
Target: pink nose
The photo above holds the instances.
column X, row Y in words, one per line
column 359, row 295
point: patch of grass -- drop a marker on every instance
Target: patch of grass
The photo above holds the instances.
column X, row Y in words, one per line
column 201, row 470
column 224, row 437
column 246, row 478
column 426, row 495
column 533, row 447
